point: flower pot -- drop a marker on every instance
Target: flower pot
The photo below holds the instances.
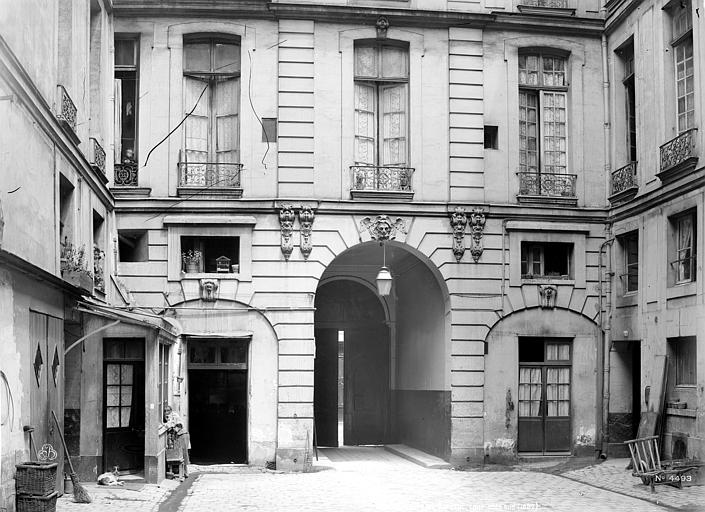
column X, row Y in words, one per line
column 191, row 267
column 78, row 278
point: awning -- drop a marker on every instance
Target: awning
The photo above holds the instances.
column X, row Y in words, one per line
column 168, row 327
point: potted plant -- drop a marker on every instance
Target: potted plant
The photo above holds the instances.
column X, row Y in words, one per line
column 192, row 261
column 73, row 266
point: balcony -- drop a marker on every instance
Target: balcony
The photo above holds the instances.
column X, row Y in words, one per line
column 625, row 183
column 679, row 156
column 552, row 7
column 209, row 179
column 125, row 175
column 547, row 188
column 66, row 113
column 382, row 182
column 96, row 155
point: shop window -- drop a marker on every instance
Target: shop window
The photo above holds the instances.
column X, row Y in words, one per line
column 213, row 254
column 551, row 260
column 126, row 100
column 381, row 104
column 683, row 256
column 133, row 245
column 683, row 360
column 629, row 245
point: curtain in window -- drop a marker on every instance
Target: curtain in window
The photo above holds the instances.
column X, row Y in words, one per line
column 558, row 391
column 554, row 120
column 685, row 248
column 394, row 125
column 685, row 85
column 119, row 395
column 364, row 124
column 529, row 392
column 196, row 125
column 528, row 132
column 117, row 85
column 226, row 120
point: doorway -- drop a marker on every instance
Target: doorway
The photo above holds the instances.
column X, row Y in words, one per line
column 218, row 383
column 544, row 395
column 352, row 367
column 123, row 399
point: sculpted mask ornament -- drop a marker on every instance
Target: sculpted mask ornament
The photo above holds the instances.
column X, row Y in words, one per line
column 306, row 217
column 287, row 215
column 477, row 226
column 458, row 221
column 382, row 25
column 209, row 290
column 382, row 227
column 547, row 295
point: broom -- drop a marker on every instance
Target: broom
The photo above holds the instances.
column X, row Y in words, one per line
column 80, row 495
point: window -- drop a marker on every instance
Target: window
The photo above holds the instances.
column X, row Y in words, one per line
column 126, row 100
column 630, row 248
column 66, row 212
column 269, row 130
column 381, row 103
column 491, row 137
column 98, row 252
column 683, row 360
column 546, row 260
column 627, row 55
column 682, row 26
column 543, row 115
column 212, row 97
column 225, row 353
column 215, row 254
column 163, row 375
column 685, row 256
column 133, row 245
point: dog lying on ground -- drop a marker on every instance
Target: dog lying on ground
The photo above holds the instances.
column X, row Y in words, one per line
column 109, row 478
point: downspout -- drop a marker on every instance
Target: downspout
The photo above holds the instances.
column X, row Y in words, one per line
column 504, row 258
column 607, row 351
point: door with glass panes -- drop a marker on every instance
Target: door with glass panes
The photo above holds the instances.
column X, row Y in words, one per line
column 544, row 394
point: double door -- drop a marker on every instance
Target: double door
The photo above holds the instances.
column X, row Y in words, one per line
column 544, row 395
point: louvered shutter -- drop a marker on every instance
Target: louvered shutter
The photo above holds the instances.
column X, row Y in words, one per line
column 364, row 124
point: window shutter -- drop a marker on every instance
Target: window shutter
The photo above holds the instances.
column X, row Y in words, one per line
column 528, row 132
column 196, row 125
column 554, row 135
column 118, row 120
column 226, row 120
column 364, row 124
column 394, row 124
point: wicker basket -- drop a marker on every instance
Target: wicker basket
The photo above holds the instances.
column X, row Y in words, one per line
column 27, row 503
column 36, row 478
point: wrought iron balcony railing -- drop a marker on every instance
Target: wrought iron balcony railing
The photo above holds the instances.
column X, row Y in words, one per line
column 209, row 175
column 381, row 178
column 125, row 175
column 96, row 155
column 624, row 179
column 554, row 4
column 547, row 185
column 679, row 153
column 66, row 110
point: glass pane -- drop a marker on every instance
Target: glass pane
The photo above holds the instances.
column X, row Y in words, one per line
column 113, row 374
column 126, row 395
column 197, row 57
column 233, row 352
column 112, row 397
column 365, row 129
column 227, row 58
column 394, row 62
column 126, row 374
column 394, row 125
column 125, row 416
column 112, row 418
column 365, row 61
column 125, row 52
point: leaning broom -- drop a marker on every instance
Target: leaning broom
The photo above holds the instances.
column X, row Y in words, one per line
column 80, row 495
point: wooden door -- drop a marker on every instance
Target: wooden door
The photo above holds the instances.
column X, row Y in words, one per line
column 46, row 396
column 326, row 382
column 367, row 385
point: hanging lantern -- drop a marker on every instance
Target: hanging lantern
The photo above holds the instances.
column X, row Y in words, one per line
column 384, row 282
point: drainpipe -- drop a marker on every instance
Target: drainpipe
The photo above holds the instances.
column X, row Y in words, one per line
column 504, row 266
column 603, row 350
column 606, row 109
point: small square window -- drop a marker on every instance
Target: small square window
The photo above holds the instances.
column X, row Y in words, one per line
column 207, row 254
column 491, row 137
column 133, row 245
column 540, row 260
column 683, row 360
column 269, row 130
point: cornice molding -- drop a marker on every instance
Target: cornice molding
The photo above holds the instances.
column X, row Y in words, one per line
column 23, row 88
column 589, row 27
column 615, row 16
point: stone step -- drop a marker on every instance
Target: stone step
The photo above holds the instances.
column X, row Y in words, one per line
column 417, row 456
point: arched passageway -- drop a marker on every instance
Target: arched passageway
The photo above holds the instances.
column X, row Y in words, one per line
column 382, row 363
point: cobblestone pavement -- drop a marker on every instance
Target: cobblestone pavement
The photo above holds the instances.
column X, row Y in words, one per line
column 369, row 479
column 611, row 475
column 133, row 498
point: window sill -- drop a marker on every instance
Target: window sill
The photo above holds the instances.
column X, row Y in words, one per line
column 681, row 290
column 383, row 195
column 628, row 300
column 556, row 200
column 547, row 280
column 211, row 275
column 553, row 11
column 220, row 192
column 131, row 191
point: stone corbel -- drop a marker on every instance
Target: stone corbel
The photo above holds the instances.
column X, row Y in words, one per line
column 547, row 296
column 287, row 215
column 209, row 290
column 306, row 217
column 458, row 221
column 382, row 227
column 477, row 227
column 382, row 26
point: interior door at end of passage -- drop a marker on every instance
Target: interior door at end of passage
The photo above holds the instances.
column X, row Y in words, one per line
column 367, row 393
column 326, row 386
column 124, row 415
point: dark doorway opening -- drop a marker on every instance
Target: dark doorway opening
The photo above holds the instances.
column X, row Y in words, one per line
column 218, row 381
column 123, row 410
column 352, row 368
column 636, row 387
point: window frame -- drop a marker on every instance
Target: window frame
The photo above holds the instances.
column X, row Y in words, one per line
column 624, row 241
column 128, row 70
column 211, row 78
column 683, row 356
column 681, row 38
column 531, row 262
column 379, row 83
column 541, row 90
column 676, row 224
column 201, row 241
column 626, row 54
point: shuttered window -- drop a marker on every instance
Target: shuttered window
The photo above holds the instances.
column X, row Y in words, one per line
column 381, row 105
